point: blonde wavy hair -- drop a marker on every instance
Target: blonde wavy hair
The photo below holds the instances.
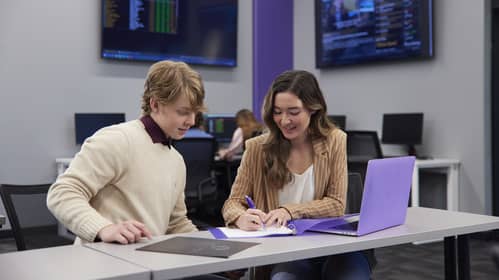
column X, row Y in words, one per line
column 276, row 147
column 167, row 80
column 248, row 123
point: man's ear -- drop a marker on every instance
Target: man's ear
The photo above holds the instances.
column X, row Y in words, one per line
column 154, row 104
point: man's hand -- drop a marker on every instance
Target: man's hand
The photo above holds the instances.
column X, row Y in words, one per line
column 124, row 232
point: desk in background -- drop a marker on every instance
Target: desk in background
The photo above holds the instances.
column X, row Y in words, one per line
column 68, row 262
column 450, row 167
column 421, row 224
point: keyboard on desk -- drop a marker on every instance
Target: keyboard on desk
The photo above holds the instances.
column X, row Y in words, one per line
column 348, row 226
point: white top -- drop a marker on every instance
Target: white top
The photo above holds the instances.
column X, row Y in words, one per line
column 236, row 144
column 300, row 189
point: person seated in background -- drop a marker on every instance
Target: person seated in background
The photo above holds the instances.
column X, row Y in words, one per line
column 247, row 127
column 198, row 129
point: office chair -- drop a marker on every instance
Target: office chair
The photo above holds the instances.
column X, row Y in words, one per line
column 201, row 183
column 354, row 193
column 33, row 226
column 362, row 146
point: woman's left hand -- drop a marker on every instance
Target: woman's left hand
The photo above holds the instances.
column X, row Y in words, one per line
column 277, row 217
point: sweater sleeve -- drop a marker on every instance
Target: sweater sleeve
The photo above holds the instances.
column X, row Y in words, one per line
column 178, row 219
column 103, row 158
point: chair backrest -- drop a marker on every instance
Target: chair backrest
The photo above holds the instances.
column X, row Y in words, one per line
column 354, row 193
column 199, row 156
column 363, row 144
column 26, row 209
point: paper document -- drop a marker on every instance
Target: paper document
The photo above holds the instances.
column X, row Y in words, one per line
column 225, row 232
column 295, row 227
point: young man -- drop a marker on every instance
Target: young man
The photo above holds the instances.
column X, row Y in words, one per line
column 127, row 182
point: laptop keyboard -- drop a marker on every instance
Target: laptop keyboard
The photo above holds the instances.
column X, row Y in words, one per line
column 348, row 226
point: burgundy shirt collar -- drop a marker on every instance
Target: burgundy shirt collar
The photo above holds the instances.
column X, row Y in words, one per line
column 153, row 129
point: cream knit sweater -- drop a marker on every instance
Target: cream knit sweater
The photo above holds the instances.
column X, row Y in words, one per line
column 118, row 175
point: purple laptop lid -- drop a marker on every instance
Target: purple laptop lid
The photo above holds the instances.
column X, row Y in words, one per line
column 386, row 193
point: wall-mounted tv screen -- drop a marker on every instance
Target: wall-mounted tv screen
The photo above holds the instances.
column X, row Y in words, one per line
column 194, row 31
column 360, row 31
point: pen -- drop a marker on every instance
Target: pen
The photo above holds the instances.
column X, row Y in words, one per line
column 250, row 202
column 251, row 205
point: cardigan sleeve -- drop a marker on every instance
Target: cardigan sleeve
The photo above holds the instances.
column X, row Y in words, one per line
column 236, row 205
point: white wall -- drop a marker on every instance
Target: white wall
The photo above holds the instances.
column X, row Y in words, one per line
column 450, row 89
column 50, row 68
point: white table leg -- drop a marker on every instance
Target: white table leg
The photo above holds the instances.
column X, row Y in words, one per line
column 415, row 187
column 452, row 188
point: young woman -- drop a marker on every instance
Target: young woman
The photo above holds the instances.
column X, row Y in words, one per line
column 296, row 170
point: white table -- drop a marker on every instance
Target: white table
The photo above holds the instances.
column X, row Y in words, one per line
column 62, row 164
column 421, row 224
column 450, row 167
column 67, row 262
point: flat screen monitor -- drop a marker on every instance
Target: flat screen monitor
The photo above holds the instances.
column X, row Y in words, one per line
column 221, row 126
column 338, row 120
column 360, row 31
column 404, row 129
column 193, row 31
column 86, row 124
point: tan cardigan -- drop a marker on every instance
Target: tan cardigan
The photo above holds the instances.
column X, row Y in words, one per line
column 330, row 181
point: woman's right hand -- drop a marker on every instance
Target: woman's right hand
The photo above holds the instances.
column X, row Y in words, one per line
column 124, row 232
column 251, row 220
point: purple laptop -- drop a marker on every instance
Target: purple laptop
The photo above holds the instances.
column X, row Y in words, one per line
column 385, row 197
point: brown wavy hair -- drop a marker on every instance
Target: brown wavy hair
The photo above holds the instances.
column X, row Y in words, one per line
column 167, row 80
column 276, row 147
column 248, row 123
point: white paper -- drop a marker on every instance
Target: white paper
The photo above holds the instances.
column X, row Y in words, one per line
column 239, row 233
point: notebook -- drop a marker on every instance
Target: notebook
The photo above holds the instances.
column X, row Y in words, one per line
column 198, row 247
column 384, row 200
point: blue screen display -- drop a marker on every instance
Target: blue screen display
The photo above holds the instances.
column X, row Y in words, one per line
column 359, row 31
column 194, row 31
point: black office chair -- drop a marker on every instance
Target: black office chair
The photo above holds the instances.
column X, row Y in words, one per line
column 362, row 146
column 33, row 226
column 201, row 182
column 354, row 193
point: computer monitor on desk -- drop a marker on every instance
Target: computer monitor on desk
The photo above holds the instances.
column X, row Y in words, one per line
column 86, row 124
column 339, row 120
column 221, row 126
column 403, row 129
